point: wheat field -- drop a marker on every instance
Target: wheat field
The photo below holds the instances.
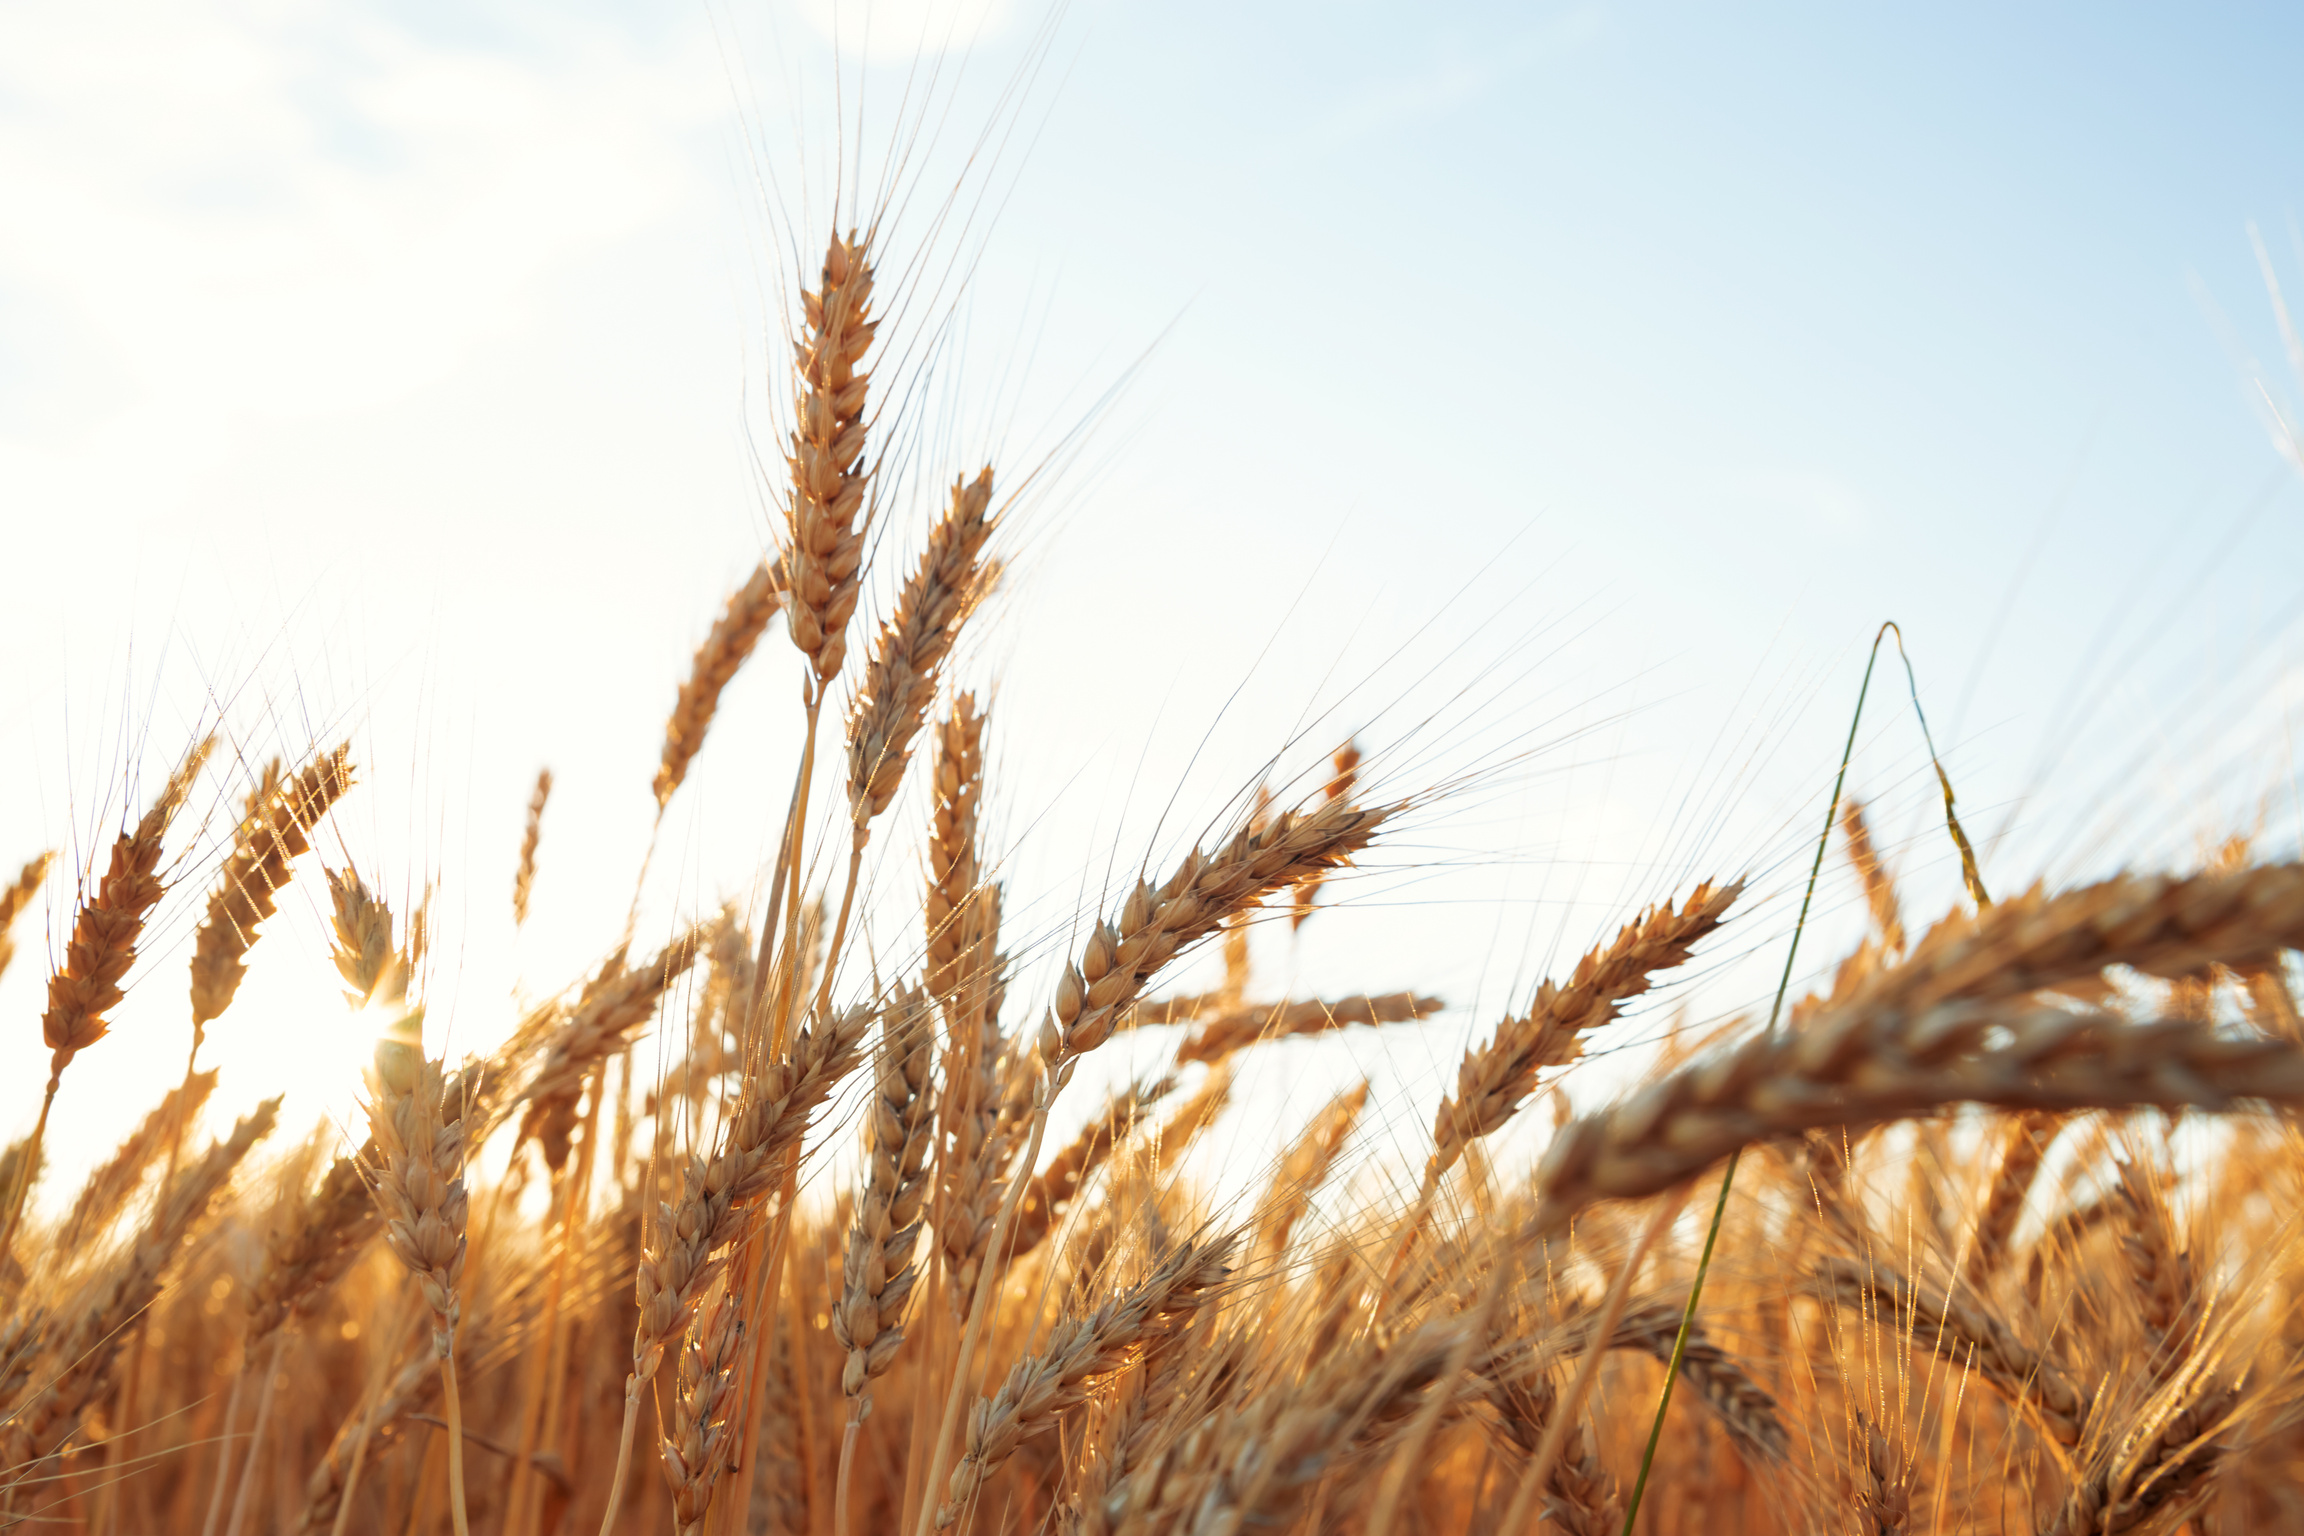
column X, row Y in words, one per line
column 2012, row 1245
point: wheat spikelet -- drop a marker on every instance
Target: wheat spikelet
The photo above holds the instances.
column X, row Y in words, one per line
column 734, row 634
column 893, row 696
column 247, row 889
column 14, row 898
column 107, row 1191
column 1494, row 1080
column 877, row 1271
column 826, row 549
column 83, row 1357
column 1078, row 1353
column 524, row 878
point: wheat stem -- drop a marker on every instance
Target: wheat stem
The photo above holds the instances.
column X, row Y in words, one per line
column 256, row 1430
column 454, row 1403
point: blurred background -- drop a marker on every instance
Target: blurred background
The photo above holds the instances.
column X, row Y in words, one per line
column 1556, row 398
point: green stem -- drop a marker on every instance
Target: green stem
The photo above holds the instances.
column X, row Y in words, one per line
column 1775, row 1012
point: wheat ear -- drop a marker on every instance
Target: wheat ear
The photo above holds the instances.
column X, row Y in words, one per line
column 826, row 554
column 1078, row 1354
column 247, row 890
column 696, row 1450
column 893, row 695
column 97, row 959
column 735, row 634
column 2022, row 1149
column 1933, row 1321
column 1868, row 1070
column 15, row 897
column 108, row 1189
column 877, row 1270
column 1304, row 1168
column 1236, row 1029
column 1879, row 885
column 1494, row 1079
column 600, row 1026
column 1206, row 890
column 524, row 877
column 1345, row 773
column 1056, row 1186
column 419, row 1134
column 758, row 1146
column 39, row 1427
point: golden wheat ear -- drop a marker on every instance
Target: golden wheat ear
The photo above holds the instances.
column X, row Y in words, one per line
column 275, row 832
column 524, row 877
column 825, row 556
column 1497, row 1078
column 15, row 897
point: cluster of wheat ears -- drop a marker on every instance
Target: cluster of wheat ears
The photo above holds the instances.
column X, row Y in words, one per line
column 1972, row 1279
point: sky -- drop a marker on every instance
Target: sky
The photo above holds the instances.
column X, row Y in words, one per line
column 1559, row 398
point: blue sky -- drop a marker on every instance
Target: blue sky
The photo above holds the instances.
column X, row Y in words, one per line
column 1607, row 371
